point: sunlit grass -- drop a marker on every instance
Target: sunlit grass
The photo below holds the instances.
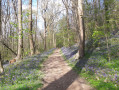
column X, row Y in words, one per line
column 98, row 71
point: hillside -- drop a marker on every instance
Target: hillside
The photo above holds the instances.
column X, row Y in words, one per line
column 25, row 74
column 102, row 74
column 33, row 72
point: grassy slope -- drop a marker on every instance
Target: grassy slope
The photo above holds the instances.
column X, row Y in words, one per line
column 24, row 75
column 100, row 73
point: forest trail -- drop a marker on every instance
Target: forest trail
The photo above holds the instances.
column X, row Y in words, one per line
column 60, row 76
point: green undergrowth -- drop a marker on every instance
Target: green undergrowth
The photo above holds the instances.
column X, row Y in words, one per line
column 107, row 77
column 93, row 80
column 24, row 75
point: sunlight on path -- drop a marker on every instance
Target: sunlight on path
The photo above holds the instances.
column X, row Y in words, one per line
column 59, row 76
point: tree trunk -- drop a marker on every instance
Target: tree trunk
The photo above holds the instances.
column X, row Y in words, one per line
column 30, row 28
column 36, row 28
column 1, row 66
column 81, row 29
column 106, row 3
column 106, row 11
column 54, row 43
column 45, row 27
column 20, row 39
column 99, row 4
column 66, row 2
column 68, row 26
column 63, row 38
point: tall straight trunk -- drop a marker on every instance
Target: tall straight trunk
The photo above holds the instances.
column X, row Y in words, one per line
column 76, row 18
column 81, row 29
column 95, row 11
column 106, row 11
column 63, row 38
column 106, row 3
column 1, row 66
column 54, row 43
column 68, row 27
column 99, row 4
column 20, row 40
column 66, row 2
column 30, row 28
column 36, row 28
column 45, row 45
column 14, row 2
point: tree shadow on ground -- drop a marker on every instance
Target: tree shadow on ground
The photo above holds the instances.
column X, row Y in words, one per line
column 66, row 80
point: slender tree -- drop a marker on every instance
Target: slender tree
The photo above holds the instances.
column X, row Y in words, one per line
column 66, row 4
column 30, row 28
column 1, row 66
column 45, row 31
column 81, row 29
column 106, row 3
column 36, row 28
column 44, row 9
column 20, row 40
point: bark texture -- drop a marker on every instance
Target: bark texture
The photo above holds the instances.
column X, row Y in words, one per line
column 81, row 29
column 30, row 29
column 1, row 66
column 20, row 40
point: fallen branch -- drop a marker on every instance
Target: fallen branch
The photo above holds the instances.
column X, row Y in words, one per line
column 2, row 42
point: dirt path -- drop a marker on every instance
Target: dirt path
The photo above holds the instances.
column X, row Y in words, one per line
column 59, row 76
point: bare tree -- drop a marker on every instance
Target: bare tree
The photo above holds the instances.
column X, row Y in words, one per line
column 50, row 13
column 44, row 7
column 20, row 41
column 9, row 40
column 81, row 29
column 106, row 3
column 30, row 28
column 36, row 27
column 66, row 4
column 1, row 66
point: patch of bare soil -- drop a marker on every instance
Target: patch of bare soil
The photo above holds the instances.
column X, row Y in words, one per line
column 60, row 76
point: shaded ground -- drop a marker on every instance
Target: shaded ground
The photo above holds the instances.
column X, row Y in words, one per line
column 59, row 76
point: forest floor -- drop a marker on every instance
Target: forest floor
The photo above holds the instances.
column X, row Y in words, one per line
column 25, row 74
column 60, row 76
